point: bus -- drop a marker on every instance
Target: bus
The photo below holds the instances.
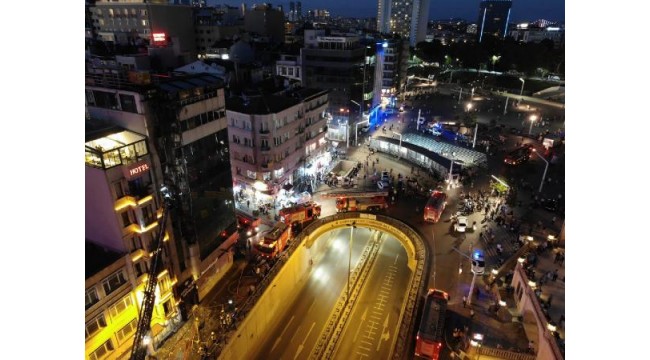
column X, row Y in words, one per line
column 430, row 336
column 435, row 206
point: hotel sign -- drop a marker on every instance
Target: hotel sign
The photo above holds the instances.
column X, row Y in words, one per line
column 135, row 170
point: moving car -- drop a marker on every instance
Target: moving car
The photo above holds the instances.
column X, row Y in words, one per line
column 518, row 156
column 478, row 263
column 461, row 224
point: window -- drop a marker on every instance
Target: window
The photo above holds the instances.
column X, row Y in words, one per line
column 141, row 148
column 127, row 103
column 127, row 330
column 94, row 325
column 91, row 297
column 278, row 173
column 102, row 350
column 167, row 306
column 145, row 23
column 266, row 176
column 135, row 243
column 251, row 174
column 113, row 282
column 120, row 306
column 126, row 218
column 119, row 192
column 290, row 71
column 141, row 268
column 148, row 214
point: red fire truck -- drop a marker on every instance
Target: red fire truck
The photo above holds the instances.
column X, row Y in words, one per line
column 274, row 241
column 348, row 203
column 435, row 206
column 300, row 213
column 431, row 330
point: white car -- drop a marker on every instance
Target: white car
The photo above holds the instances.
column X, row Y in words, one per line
column 461, row 224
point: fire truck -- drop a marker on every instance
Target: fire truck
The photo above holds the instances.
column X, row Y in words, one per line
column 359, row 201
column 300, row 213
column 274, row 241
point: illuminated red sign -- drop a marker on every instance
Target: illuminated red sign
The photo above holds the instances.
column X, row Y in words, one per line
column 136, row 170
column 159, row 37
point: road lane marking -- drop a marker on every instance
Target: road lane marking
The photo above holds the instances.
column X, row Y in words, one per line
column 363, row 318
column 282, row 333
column 302, row 345
column 385, row 334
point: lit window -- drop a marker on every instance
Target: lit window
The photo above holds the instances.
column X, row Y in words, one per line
column 127, row 330
column 120, row 306
column 94, row 325
column 102, row 350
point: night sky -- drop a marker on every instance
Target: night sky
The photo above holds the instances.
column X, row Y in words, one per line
column 522, row 10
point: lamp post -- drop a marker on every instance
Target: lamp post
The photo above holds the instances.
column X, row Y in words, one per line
column 522, row 86
column 460, row 94
column 475, row 133
column 532, row 118
column 545, row 168
column 352, row 227
column 451, row 168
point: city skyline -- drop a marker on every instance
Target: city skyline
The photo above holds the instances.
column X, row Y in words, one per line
column 522, row 10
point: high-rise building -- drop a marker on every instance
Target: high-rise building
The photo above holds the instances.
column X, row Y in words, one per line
column 407, row 18
column 265, row 21
column 121, row 229
column 493, row 18
column 295, row 11
column 184, row 122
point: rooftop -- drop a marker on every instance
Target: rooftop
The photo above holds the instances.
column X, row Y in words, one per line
column 98, row 258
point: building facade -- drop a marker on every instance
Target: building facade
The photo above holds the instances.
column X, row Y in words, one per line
column 390, row 70
column 183, row 119
column 125, row 22
column 407, row 18
column 289, row 66
column 273, row 138
column 493, row 18
column 265, row 21
column 336, row 63
column 122, row 213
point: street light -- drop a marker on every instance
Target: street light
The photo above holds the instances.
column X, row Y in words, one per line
column 545, row 168
column 532, row 118
column 468, row 106
column 522, row 86
column 451, row 168
column 352, row 227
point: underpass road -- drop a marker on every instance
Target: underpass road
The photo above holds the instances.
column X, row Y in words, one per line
column 372, row 325
column 297, row 331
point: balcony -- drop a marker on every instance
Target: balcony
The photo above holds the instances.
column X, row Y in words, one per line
column 132, row 201
column 265, row 131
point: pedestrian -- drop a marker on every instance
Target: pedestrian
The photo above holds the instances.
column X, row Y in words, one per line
column 471, row 314
column 464, row 301
column 555, row 275
column 248, row 204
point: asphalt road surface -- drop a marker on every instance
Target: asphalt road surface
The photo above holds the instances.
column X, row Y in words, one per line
column 298, row 330
column 372, row 325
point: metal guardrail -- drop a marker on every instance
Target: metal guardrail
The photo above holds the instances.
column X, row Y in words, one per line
column 504, row 354
column 329, row 338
